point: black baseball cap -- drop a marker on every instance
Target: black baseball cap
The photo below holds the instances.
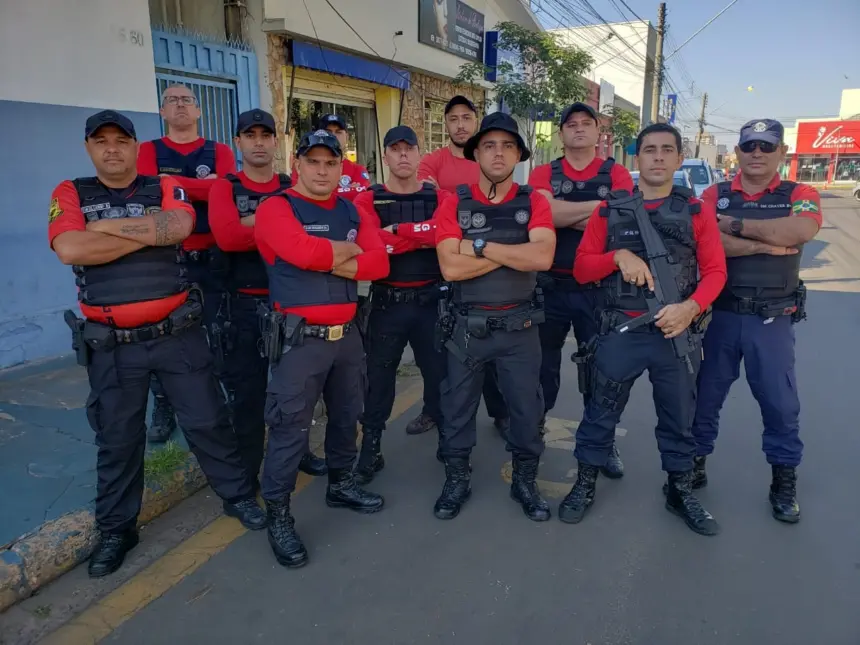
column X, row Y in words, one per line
column 109, row 117
column 459, row 100
column 331, row 119
column 577, row 107
column 400, row 133
column 322, row 138
column 249, row 119
column 496, row 121
column 768, row 130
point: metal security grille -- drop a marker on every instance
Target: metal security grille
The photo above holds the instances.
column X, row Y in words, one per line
column 218, row 105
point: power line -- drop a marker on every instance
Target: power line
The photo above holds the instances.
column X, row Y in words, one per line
column 702, row 28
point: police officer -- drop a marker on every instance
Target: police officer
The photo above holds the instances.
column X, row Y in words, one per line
column 448, row 168
column 613, row 251
column 574, row 184
column 405, row 302
column 354, row 178
column 492, row 238
column 195, row 162
column 764, row 223
column 233, row 203
column 121, row 232
column 316, row 249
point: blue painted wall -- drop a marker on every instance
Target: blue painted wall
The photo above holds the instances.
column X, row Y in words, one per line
column 42, row 145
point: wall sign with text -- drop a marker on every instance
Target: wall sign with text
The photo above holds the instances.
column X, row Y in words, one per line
column 452, row 26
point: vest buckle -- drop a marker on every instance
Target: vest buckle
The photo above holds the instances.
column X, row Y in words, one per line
column 334, row 332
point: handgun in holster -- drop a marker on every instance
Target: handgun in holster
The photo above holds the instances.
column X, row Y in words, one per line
column 800, row 304
column 584, row 360
column 81, row 349
column 271, row 333
column 444, row 320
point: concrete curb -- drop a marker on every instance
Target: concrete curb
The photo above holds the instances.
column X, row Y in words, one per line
column 57, row 546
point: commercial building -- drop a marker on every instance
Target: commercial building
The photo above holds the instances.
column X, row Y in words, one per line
column 826, row 149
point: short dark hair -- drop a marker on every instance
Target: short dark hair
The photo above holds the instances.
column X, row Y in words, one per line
column 659, row 127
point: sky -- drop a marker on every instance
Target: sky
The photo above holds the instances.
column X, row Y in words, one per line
column 796, row 54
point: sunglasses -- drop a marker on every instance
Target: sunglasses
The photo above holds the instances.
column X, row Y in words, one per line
column 764, row 146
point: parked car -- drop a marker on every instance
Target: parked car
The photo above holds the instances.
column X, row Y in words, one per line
column 856, row 190
column 701, row 174
column 680, row 178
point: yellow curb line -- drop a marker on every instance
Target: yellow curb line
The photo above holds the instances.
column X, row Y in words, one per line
column 123, row 603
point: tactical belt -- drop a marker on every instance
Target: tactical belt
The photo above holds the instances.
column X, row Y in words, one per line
column 385, row 294
column 327, row 332
column 198, row 257
column 560, row 282
column 763, row 308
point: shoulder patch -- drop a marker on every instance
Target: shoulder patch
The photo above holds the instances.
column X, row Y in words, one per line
column 54, row 211
column 804, row 206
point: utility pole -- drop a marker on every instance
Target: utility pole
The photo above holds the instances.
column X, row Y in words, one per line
column 658, row 63
column 701, row 124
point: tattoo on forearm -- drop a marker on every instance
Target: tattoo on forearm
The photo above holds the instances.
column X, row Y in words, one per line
column 134, row 229
column 168, row 228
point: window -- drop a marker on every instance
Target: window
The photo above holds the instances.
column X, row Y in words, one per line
column 435, row 133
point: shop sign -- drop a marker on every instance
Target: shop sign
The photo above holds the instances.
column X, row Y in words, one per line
column 452, row 26
column 823, row 137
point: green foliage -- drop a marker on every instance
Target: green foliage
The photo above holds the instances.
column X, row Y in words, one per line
column 548, row 75
column 624, row 127
column 161, row 463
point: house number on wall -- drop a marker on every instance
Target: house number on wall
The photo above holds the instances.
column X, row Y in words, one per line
column 133, row 37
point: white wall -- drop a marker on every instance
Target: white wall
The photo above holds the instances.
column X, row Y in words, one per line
column 376, row 21
column 626, row 60
column 65, row 52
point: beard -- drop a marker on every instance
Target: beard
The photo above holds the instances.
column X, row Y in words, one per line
column 457, row 144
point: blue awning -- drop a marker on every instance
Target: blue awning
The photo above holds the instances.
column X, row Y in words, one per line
column 313, row 56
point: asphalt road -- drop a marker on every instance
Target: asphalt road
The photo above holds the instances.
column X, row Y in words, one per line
column 630, row 574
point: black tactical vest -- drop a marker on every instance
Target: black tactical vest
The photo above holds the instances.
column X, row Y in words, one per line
column 150, row 273
column 673, row 219
column 197, row 165
column 760, row 277
column 394, row 208
column 504, row 224
column 565, row 188
column 247, row 269
column 290, row 286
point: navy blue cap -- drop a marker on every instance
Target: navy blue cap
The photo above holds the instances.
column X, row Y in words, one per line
column 322, row 138
column 768, row 130
column 251, row 118
column 331, row 119
column 459, row 100
column 577, row 107
column 109, row 117
column 400, row 133
column 491, row 122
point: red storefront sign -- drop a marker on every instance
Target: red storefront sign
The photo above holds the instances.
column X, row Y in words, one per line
column 828, row 137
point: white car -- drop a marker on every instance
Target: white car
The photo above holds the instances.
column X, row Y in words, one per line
column 701, row 174
column 856, row 190
column 680, row 178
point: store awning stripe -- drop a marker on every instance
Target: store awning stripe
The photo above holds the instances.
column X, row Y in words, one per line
column 313, row 56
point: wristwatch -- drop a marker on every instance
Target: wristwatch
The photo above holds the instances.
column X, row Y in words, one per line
column 394, row 228
column 736, row 227
column 478, row 246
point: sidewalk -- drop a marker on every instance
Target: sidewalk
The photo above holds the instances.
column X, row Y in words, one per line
column 48, row 478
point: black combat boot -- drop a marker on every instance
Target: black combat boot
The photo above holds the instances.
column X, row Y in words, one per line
column 163, row 422
column 573, row 507
column 783, row 494
column 313, row 465
column 248, row 512
column 421, row 424
column 457, row 488
column 613, row 468
column 700, row 477
column 370, row 459
column 681, row 501
column 525, row 491
column 285, row 542
column 343, row 492
column 110, row 553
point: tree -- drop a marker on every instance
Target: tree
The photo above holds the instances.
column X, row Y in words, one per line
column 624, row 125
column 544, row 77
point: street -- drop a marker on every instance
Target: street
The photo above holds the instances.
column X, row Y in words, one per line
column 630, row 574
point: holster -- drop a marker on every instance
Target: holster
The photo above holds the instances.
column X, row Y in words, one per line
column 188, row 313
column 444, row 319
column 362, row 316
column 800, row 302
column 98, row 337
column 584, row 360
column 79, row 346
column 700, row 324
column 271, row 333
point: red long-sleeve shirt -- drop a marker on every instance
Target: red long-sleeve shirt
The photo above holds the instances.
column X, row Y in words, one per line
column 409, row 237
column 280, row 235
column 353, row 182
column 197, row 189
column 594, row 262
column 227, row 228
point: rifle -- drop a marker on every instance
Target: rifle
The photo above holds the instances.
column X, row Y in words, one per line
column 665, row 272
